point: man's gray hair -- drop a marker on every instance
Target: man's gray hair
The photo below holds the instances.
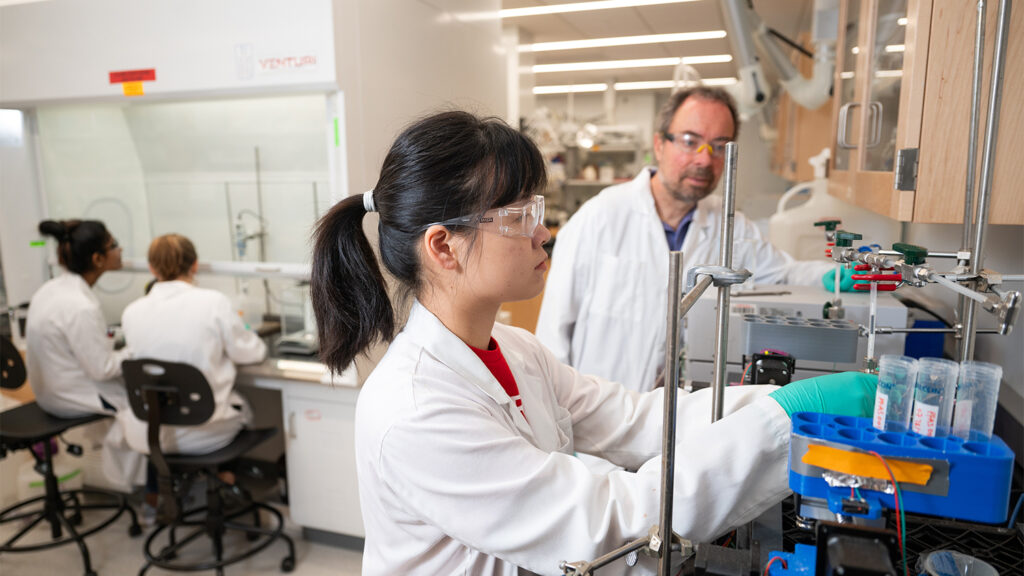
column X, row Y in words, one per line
column 713, row 94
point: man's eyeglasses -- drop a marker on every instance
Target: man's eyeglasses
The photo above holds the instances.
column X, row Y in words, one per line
column 694, row 144
column 519, row 219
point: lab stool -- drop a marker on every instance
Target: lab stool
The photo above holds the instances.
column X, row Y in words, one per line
column 26, row 426
column 174, row 394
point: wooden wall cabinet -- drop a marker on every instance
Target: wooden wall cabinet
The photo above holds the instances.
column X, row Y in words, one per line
column 903, row 87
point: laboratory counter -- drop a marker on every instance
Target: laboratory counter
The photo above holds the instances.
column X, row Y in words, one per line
column 315, row 413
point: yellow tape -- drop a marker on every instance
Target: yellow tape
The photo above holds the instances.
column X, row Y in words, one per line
column 863, row 464
column 132, row 88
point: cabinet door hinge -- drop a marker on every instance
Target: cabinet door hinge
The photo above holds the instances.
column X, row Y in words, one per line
column 905, row 173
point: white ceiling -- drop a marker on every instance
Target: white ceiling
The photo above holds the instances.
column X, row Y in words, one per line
column 786, row 16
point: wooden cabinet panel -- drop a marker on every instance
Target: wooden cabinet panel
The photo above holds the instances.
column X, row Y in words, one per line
column 942, row 172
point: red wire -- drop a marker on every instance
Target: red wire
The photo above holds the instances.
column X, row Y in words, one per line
column 896, row 499
column 743, row 378
column 772, row 561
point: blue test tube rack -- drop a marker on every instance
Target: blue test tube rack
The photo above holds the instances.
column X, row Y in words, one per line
column 970, row 480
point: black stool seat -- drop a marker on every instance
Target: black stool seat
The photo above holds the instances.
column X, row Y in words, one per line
column 62, row 510
column 30, row 423
column 242, row 443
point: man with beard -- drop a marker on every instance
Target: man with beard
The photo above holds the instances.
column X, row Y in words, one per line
column 604, row 304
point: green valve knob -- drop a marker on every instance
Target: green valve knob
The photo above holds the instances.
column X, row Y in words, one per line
column 845, row 239
column 912, row 255
column 830, row 224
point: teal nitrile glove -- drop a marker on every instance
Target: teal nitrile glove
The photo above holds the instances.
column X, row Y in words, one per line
column 845, row 280
column 844, row 394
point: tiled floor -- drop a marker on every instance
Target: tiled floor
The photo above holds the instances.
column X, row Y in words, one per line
column 115, row 554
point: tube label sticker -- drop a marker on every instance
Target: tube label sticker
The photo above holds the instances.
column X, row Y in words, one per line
column 926, row 417
column 962, row 418
column 881, row 407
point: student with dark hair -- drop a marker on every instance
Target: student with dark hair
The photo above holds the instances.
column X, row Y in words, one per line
column 178, row 321
column 466, row 429
column 72, row 365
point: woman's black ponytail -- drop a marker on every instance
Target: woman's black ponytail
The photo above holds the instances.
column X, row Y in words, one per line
column 348, row 292
column 77, row 241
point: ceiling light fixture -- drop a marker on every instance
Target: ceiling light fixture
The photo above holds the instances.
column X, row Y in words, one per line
column 622, row 41
column 581, row 7
column 647, row 85
column 640, row 63
column 566, row 88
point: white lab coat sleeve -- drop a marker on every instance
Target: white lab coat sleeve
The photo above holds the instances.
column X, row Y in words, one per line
column 563, row 293
column 94, row 351
column 241, row 346
column 495, row 492
column 771, row 265
column 624, row 426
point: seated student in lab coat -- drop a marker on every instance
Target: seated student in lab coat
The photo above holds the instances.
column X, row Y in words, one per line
column 466, row 429
column 180, row 322
column 72, row 365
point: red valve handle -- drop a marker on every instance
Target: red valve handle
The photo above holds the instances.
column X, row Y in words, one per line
column 881, row 287
column 878, row 277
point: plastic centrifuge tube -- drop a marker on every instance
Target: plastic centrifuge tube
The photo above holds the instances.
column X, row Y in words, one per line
column 933, row 396
column 976, row 397
column 894, row 395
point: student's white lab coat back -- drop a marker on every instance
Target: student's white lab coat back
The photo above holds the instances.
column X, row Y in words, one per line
column 179, row 322
column 71, row 362
column 605, row 299
column 454, row 480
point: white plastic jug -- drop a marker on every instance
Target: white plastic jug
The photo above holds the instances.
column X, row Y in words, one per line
column 793, row 230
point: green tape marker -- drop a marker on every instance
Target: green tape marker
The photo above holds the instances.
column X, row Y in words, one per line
column 337, row 136
column 37, row 243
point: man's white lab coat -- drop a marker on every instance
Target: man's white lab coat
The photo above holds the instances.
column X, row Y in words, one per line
column 605, row 300
column 453, row 479
column 72, row 363
column 178, row 322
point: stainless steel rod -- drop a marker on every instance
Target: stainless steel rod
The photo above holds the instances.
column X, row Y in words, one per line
column 930, row 254
column 668, row 425
column 693, row 295
column 725, row 260
column 972, row 155
column 988, row 161
column 972, row 140
column 887, row 330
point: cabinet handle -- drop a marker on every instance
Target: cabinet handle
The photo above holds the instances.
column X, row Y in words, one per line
column 875, row 116
column 844, row 113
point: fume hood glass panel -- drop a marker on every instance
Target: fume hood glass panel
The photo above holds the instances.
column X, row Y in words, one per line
column 193, row 168
column 885, row 82
column 848, row 85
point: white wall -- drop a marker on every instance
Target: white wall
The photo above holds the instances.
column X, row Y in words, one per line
column 20, row 211
column 402, row 59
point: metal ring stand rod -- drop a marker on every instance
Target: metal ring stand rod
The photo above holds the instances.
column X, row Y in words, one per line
column 988, row 157
column 725, row 260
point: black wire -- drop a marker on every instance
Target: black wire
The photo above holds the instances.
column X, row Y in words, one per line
column 791, row 43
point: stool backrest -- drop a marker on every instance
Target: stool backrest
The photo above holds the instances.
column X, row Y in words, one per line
column 168, row 392
column 12, row 367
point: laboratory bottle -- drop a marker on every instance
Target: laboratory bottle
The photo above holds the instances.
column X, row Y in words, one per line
column 792, row 229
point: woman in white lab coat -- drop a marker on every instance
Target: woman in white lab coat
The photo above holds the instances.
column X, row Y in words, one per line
column 180, row 322
column 465, row 430
column 72, row 365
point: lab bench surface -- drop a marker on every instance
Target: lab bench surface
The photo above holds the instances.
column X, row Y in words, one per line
column 317, row 423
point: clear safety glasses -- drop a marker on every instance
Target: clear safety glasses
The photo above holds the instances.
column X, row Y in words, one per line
column 694, row 144
column 519, row 219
